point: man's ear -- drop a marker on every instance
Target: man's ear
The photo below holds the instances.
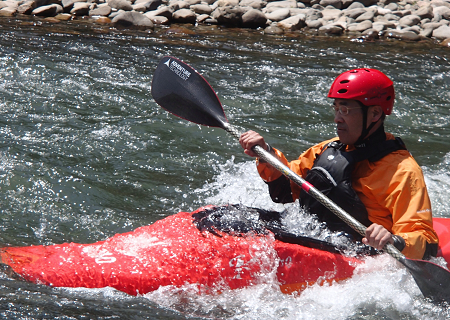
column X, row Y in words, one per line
column 374, row 114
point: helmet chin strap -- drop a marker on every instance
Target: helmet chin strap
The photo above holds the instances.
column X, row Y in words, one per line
column 365, row 129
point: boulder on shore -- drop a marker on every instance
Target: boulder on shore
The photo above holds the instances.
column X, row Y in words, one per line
column 129, row 19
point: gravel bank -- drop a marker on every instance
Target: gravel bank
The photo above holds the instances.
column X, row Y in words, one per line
column 407, row 20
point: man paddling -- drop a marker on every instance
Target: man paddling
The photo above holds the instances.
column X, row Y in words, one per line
column 366, row 171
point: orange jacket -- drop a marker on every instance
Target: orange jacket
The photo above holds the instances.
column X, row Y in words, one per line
column 392, row 189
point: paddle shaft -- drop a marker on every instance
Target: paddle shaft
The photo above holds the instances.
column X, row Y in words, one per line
column 315, row 193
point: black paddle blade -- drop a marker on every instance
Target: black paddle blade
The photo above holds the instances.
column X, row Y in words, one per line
column 181, row 90
column 433, row 280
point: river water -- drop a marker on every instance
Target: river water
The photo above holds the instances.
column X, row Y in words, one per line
column 86, row 153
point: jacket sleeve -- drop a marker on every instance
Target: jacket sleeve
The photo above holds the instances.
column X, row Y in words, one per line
column 397, row 198
column 279, row 185
column 411, row 211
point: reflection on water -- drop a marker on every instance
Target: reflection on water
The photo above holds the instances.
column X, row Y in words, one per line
column 85, row 153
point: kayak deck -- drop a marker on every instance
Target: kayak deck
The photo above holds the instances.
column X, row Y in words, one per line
column 174, row 251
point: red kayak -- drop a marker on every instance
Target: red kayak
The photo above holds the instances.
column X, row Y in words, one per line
column 190, row 248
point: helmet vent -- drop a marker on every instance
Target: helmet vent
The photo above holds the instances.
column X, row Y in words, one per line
column 345, row 81
column 388, row 98
column 342, row 91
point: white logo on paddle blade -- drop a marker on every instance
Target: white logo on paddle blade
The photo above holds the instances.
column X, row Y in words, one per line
column 178, row 69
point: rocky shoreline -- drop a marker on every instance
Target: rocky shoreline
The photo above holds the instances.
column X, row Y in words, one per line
column 408, row 20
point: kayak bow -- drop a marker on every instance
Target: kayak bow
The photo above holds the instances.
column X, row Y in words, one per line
column 180, row 250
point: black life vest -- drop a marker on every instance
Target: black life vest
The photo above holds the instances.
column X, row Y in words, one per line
column 331, row 174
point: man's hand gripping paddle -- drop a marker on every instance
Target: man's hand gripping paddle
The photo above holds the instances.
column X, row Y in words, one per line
column 181, row 90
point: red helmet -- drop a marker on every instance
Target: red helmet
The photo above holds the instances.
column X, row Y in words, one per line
column 368, row 86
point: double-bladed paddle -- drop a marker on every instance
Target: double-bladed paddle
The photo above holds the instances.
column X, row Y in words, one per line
column 181, row 90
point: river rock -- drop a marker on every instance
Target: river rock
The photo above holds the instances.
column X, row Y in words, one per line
column 402, row 13
column 80, row 9
column 382, row 11
column 354, row 13
column 159, row 20
column 402, row 35
column 293, row 23
column 393, row 6
column 445, row 42
column 432, row 25
column 10, row 4
column 296, row 11
column 355, row 5
column 184, row 16
column 391, row 17
column 120, row 5
column 441, row 33
column 378, row 26
column 331, row 14
column 177, row 5
column 8, row 12
column 346, row 3
column 426, row 33
column 201, row 9
column 383, row 25
column 314, row 24
column 312, row 14
column 163, row 12
column 273, row 29
column 67, row 5
column 63, row 16
column 143, row 6
column 281, row 4
column 360, row 27
column 50, row 10
column 229, row 16
column 442, row 12
column 254, row 19
column 409, row 21
column 416, row 29
column 255, row 4
column 227, row 3
column 102, row 10
column 201, row 18
column 27, row 7
column 193, row 2
column 279, row 14
column 370, row 35
column 425, row 12
column 333, row 3
column 154, row 3
column 132, row 19
column 367, row 3
column 332, row 29
column 369, row 15
column 102, row 20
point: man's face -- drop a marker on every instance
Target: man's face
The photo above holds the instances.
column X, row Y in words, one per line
column 349, row 126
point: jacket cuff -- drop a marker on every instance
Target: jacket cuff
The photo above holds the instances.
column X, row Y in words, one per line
column 399, row 242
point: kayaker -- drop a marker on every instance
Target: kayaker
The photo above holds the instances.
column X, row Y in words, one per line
column 366, row 171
